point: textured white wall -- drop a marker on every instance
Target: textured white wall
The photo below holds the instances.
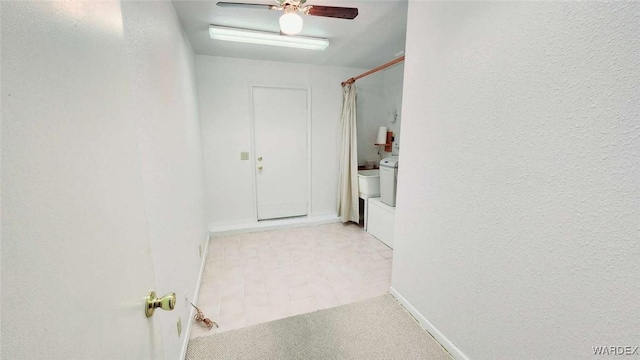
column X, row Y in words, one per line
column 519, row 199
column 223, row 90
column 163, row 88
column 370, row 106
column 393, row 84
column 379, row 95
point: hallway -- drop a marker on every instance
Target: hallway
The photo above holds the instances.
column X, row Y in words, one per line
column 128, row 144
column 264, row 276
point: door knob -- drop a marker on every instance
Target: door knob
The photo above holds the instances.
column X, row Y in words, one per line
column 167, row 302
column 260, row 167
column 260, row 158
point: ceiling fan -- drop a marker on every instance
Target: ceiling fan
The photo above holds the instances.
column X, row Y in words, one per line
column 290, row 21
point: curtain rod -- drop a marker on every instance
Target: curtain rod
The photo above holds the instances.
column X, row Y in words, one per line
column 381, row 67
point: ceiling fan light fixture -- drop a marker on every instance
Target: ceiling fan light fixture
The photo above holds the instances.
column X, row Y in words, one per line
column 290, row 23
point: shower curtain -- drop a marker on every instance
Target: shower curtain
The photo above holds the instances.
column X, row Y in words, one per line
column 348, row 206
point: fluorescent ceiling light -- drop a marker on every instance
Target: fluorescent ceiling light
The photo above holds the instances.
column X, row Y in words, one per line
column 266, row 38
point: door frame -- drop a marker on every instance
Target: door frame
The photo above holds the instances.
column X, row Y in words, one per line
column 252, row 147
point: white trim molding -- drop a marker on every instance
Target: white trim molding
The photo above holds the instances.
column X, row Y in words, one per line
column 187, row 333
column 218, row 230
column 453, row 350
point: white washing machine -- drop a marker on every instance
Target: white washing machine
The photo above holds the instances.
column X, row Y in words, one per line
column 388, row 180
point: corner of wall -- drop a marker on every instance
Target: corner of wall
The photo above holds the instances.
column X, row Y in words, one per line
column 449, row 346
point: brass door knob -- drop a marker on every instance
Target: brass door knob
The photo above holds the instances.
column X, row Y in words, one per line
column 260, row 158
column 167, row 302
column 260, row 167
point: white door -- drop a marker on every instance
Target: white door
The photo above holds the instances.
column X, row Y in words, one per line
column 76, row 262
column 281, row 151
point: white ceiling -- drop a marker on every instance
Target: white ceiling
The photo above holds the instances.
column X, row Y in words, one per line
column 373, row 38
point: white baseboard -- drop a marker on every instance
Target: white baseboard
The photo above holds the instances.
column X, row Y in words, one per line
column 428, row 326
column 218, row 230
column 187, row 333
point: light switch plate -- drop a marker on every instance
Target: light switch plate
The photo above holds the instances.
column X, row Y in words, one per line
column 244, row 156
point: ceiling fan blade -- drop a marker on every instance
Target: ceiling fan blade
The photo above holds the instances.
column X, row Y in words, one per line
column 246, row 6
column 334, row 12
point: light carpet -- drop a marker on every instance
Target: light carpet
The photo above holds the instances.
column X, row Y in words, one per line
column 378, row 328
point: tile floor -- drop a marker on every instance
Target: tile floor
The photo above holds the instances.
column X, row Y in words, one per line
column 264, row 276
